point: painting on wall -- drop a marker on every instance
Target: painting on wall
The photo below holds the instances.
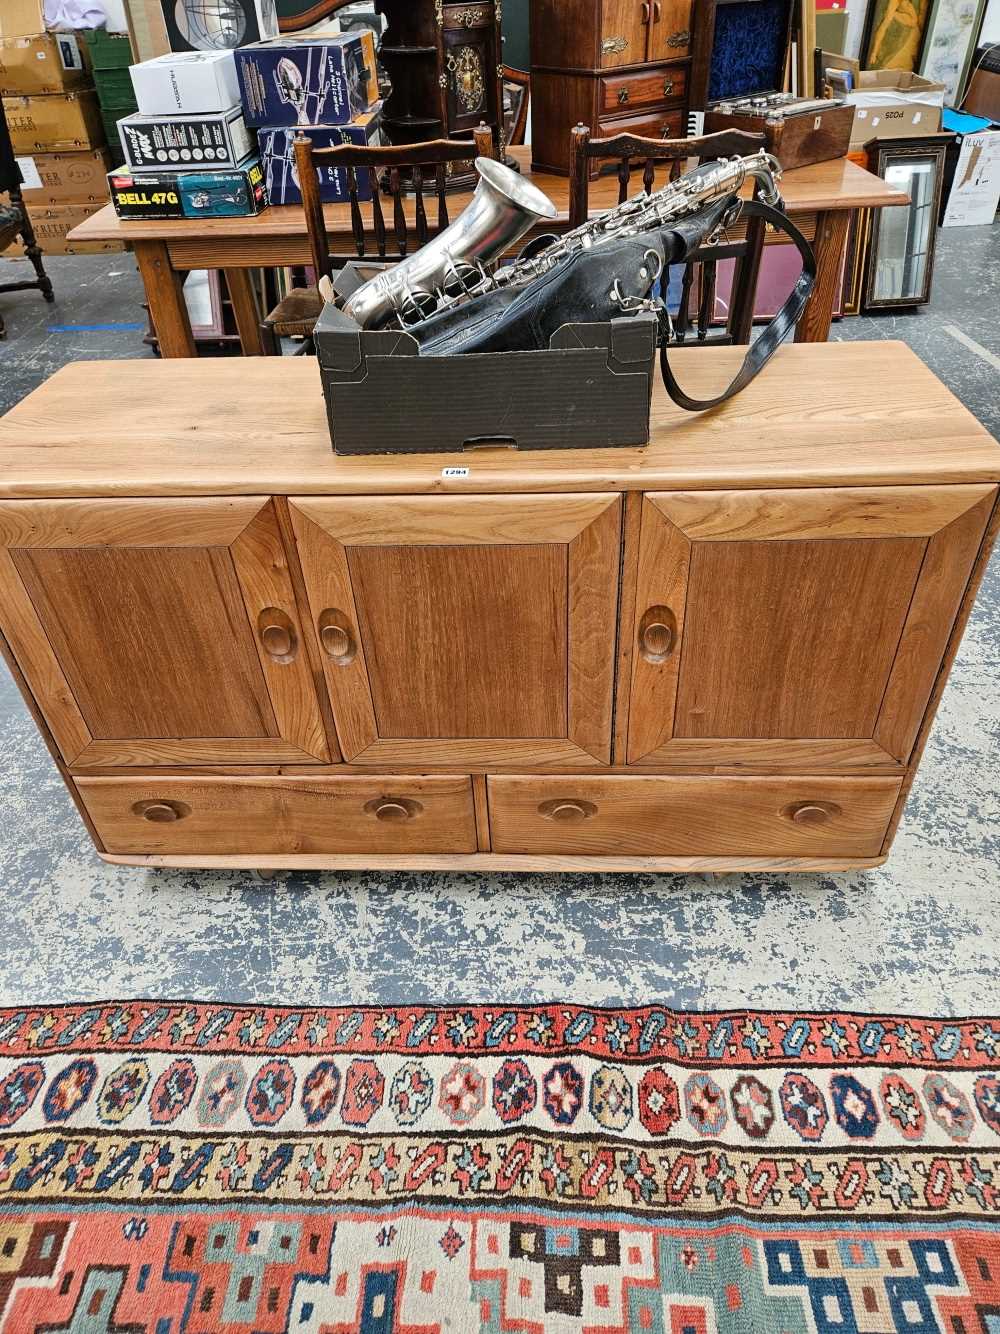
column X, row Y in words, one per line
column 895, row 33
column 951, row 36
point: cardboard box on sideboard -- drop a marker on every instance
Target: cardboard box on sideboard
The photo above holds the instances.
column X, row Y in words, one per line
column 65, row 178
column 234, row 193
column 213, row 139
column 277, row 154
column 54, row 123
column 49, row 62
column 888, row 103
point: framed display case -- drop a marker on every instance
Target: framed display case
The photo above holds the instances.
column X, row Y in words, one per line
column 900, row 262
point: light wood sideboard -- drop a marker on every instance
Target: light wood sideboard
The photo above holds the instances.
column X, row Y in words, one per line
column 720, row 652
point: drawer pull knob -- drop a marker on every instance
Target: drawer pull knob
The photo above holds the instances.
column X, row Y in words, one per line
column 336, row 637
column 622, row 96
column 393, row 810
column 657, row 634
column 567, row 811
column 161, row 812
column 277, row 634
column 668, row 87
column 811, row 812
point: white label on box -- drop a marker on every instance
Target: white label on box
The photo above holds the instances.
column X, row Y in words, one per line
column 454, row 472
column 69, row 51
column 29, row 172
column 817, row 122
column 917, row 116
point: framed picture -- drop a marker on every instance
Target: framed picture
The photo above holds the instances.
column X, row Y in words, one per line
column 894, row 34
column 901, row 246
column 948, row 44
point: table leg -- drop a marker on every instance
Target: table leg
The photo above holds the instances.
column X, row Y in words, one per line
column 241, row 294
column 166, row 300
column 831, row 240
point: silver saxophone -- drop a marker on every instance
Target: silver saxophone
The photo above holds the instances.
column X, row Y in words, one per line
column 453, row 268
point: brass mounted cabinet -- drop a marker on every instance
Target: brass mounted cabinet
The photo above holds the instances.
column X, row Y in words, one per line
column 723, row 651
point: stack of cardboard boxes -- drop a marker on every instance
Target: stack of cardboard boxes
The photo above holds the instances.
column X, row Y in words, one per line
column 55, row 126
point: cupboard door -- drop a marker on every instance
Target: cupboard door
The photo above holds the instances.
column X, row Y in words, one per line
column 624, row 32
column 159, row 631
column 470, row 631
column 669, row 29
column 795, row 628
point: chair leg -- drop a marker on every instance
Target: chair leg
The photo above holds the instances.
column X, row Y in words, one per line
column 32, row 249
column 268, row 342
column 3, row 329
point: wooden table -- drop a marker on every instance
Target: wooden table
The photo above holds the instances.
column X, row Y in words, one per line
column 821, row 199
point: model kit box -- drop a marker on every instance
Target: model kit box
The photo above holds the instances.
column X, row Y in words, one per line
column 216, row 25
column 328, row 80
column 237, row 193
column 49, row 62
column 54, row 123
column 217, row 140
column 53, row 225
column 65, row 178
column 277, row 153
column 186, row 83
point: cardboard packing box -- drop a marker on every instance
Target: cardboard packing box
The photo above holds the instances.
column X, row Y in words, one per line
column 21, row 18
column 236, row 193
column 54, row 123
column 49, row 62
column 186, row 83
column 214, row 25
column 65, row 178
column 216, row 139
column 52, row 226
column 894, row 104
column 277, row 154
column 325, row 80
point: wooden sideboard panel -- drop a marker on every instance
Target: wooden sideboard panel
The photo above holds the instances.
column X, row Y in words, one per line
column 466, row 631
column 801, row 627
column 243, row 816
column 159, row 631
column 697, row 816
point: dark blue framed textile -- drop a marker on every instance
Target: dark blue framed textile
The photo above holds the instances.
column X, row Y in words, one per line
column 749, row 49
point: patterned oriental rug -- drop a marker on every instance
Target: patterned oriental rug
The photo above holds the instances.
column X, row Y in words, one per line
column 179, row 1168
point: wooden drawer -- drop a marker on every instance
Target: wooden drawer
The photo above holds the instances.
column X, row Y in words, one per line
column 183, row 816
column 652, row 125
column 691, row 817
column 621, row 93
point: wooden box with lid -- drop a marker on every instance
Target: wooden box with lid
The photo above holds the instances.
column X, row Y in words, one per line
column 723, row 651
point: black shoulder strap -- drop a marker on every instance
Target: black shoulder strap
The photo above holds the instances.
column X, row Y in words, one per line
column 764, row 345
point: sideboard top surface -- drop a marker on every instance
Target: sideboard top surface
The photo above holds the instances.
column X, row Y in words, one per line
column 821, row 414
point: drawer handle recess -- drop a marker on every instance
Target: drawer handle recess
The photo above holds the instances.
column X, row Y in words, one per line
column 393, row 810
column 566, row 810
column 336, row 637
column 161, row 812
column 811, row 812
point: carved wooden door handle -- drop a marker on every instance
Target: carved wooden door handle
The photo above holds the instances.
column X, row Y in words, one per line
column 336, row 637
column 657, row 634
column 161, row 812
column 277, row 634
column 657, row 11
column 645, row 11
column 566, row 810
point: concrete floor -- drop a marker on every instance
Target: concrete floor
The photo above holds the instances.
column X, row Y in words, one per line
column 917, row 935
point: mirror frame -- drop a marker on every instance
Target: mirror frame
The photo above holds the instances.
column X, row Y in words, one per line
column 881, row 154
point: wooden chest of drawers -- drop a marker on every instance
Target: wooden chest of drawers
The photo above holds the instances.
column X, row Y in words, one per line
column 616, row 66
column 723, row 651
